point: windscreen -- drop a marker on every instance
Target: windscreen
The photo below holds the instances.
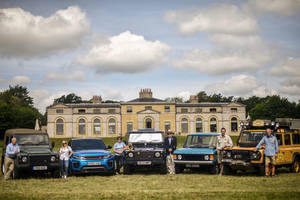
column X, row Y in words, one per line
column 87, row 144
column 200, row 141
column 252, row 136
column 32, row 139
column 145, row 137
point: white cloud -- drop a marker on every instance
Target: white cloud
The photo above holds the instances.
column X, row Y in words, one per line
column 287, row 67
column 238, row 41
column 73, row 76
column 221, row 18
column 127, row 53
column 21, row 80
column 25, row 35
column 280, row 7
column 112, row 94
column 185, row 95
column 222, row 62
column 241, row 85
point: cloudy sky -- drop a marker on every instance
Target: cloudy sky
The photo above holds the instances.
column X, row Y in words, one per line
column 176, row 47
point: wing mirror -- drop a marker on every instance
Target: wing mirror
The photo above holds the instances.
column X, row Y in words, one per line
column 52, row 145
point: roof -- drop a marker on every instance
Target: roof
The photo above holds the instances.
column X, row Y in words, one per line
column 202, row 104
column 204, row 134
column 87, row 138
column 22, row 131
column 91, row 105
column 150, row 100
column 149, row 130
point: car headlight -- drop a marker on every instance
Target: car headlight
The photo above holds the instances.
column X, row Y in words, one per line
column 53, row 158
column 255, row 155
column 107, row 156
column 130, row 155
column 179, row 157
column 206, row 157
column 157, row 154
column 228, row 154
column 24, row 159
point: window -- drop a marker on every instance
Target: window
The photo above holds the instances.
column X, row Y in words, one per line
column 212, row 110
column 167, row 126
column 96, row 111
column 129, row 109
column 167, row 108
column 81, row 110
column 287, row 139
column 234, row 124
column 81, row 127
column 184, row 110
column 59, row 127
column 279, row 138
column 129, row 127
column 184, row 125
column 198, row 110
column 296, row 138
column 111, row 111
column 148, row 107
column 148, row 123
column 213, row 125
column 112, row 126
column 59, row 110
column 234, row 110
column 97, row 126
column 199, row 127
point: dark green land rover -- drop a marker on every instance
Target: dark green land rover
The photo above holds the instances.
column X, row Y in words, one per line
column 35, row 152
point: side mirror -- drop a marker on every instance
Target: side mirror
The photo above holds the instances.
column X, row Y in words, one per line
column 52, row 144
column 108, row 147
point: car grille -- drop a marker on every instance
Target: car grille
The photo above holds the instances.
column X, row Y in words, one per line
column 192, row 157
column 92, row 157
column 39, row 160
column 144, row 156
column 240, row 155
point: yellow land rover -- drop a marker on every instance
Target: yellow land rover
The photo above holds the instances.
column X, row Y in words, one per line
column 244, row 156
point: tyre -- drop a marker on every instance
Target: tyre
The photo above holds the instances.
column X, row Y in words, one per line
column 295, row 168
column 229, row 171
column 55, row 174
column 163, row 169
column 15, row 173
column 127, row 169
column 261, row 170
column 214, row 169
column 178, row 169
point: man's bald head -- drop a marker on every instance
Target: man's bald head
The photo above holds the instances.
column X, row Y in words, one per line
column 14, row 140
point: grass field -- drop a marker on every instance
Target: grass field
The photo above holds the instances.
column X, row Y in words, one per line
column 154, row 186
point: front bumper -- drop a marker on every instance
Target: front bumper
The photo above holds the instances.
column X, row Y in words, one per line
column 47, row 167
column 152, row 162
column 91, row 166
column 206, row 162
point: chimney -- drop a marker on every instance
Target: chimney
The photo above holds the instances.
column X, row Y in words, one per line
column 193, row 99
column 146, row 93
column 97, row 99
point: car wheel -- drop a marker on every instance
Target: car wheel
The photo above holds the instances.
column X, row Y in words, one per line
column 261, row 170
column 15, row 173
column 56, row 174
column 111, row 172
column 127, row 169
column 214, row 169
column 163, row 169
column 295, row 168
column 178, row 169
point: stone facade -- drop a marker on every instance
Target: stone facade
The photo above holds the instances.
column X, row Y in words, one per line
column 99, row 119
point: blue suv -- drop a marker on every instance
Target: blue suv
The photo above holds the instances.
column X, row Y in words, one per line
column 199, row 151
column 91, row 155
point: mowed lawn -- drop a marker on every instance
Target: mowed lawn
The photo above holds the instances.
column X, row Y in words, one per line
column 141, row 186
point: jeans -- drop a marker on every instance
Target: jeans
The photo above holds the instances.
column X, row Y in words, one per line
column 119, row 162
column 64, row 167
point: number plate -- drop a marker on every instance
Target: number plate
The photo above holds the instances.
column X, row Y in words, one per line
column 144, row 162
column 94, row 163
column 189, row 165
column 39, row 167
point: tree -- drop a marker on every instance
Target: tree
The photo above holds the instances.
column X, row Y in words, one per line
column 17, row 95
column 70, row 98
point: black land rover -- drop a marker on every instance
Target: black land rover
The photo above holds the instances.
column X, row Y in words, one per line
column 145, row 150
column 35, row 152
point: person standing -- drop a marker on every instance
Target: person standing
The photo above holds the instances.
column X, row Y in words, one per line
column 170, row 145
column 11, row 152
column 223, row 141
column 119, row 148
column 65, row 153
column 271, row 150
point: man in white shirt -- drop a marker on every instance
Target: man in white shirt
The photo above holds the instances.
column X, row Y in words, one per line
column 223, row 141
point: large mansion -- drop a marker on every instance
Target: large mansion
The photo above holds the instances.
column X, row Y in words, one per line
column 99, row 119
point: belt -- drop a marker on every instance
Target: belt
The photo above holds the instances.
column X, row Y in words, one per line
column 11, row 157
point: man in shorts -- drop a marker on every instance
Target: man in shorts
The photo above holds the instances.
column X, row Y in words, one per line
column 271, row 150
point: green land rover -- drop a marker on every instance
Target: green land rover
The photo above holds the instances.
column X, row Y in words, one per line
column 35, row 153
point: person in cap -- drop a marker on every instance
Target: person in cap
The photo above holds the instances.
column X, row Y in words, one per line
column 170, row 146
column 11, row 152
column 65, row 153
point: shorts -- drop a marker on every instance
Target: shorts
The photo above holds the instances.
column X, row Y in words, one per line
column 270, row 159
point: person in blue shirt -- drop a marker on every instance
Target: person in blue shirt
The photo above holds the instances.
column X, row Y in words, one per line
column 12, row 149
column 271, row 150
column 119, row 148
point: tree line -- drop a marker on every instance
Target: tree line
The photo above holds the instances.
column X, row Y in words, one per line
column 17, row 110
